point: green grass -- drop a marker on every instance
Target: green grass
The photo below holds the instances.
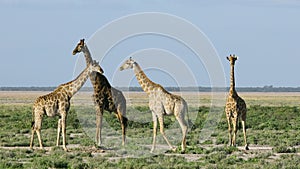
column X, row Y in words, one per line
column 277, row 127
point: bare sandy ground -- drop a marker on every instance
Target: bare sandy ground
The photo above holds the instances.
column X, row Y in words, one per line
column 141, row 99
column 95, row 152
column 253, row 151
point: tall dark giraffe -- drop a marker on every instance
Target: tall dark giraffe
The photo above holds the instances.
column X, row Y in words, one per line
column 235, row 107
column 105, row 96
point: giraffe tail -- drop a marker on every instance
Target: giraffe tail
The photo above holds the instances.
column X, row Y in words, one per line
column 189, row 122
column 125, row 121
column 32, row 120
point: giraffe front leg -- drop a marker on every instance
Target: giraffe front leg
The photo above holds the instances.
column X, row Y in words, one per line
column 63, row 128
column 98, row 102
column 32, row 138
column 38, row 132
column 154, row 132
column 99, row 118
column 161, row 126
column 37, row 127
column 234, row 122
column 229, row 131
column 58, row 131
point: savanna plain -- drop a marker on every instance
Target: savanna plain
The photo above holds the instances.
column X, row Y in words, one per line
column 273, row 133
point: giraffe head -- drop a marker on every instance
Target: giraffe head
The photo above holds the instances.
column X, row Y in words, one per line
column 79, row 47
column 128, row 64
column 232, row 59
column 95, row 67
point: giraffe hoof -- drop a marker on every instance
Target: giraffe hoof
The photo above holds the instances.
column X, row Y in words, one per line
column 174, row 149
column 98, row 147
column 246, row 147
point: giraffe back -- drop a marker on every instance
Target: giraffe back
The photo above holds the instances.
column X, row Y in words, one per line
column 50, row 103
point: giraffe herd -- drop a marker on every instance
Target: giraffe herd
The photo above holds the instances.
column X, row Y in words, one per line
column 105, row 97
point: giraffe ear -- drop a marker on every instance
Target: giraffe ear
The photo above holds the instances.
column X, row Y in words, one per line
column 235, row 57
column 95, row 62
column 130, row 58
column 227, row 58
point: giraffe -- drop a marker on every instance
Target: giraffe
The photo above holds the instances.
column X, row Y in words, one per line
column 235, row 108
column 58, row 103
column 161, row 103
column 105, row 96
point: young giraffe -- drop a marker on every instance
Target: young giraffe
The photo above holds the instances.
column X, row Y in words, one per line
column 235, row 108
column 161, row 103
column 58, row 103
column 105, row 97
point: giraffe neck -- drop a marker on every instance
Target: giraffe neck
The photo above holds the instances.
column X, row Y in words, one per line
column 88, row 61
column 144, row 81
column 74, row 86
column 232, row 81
column 87, row 55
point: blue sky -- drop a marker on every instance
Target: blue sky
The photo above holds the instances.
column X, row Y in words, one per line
column 37, row 38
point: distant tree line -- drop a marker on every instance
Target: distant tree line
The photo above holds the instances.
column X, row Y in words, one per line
column 171, row 89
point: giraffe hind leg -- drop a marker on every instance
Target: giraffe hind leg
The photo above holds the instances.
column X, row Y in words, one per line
column 154, row 132
column 244, row 131
column 184, row 128
column 121, row 112
column 124, row 122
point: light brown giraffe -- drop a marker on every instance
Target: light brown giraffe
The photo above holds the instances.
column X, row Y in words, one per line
column 235, row 108
column 105, row 97
column 58, row 103
column 161, row 103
